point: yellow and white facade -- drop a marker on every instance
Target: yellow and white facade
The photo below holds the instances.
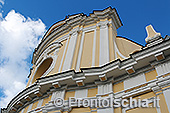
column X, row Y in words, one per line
column 82, row 57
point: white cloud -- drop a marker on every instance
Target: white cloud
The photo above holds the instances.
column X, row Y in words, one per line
column 18, row 37
column 2, row 2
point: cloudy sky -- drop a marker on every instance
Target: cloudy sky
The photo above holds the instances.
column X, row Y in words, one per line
column 19, row 35
column 23, row 23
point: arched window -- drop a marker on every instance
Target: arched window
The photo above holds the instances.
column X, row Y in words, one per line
column 44, row 66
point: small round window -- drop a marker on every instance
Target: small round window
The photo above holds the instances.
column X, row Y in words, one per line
column 44, row 66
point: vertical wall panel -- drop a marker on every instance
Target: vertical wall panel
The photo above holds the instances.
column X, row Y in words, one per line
column 59, row 58
column 82, row 93
column 29, row 108
column 80, row 52
column 162, row 103
column 77, row 50
column 70, row 52
column 40, row 103
column 62, row 57
column 94, row 49
column 97, row 51
column 104, row 89
column 163, row 68
column 151, row 75
column 86, row 60
column 57, row 94
column 134, row 81
column 104, row 45
column 111, row 46
column 106, row 110
column 167, row 97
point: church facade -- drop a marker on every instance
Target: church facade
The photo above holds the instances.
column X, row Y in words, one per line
column 84, row 58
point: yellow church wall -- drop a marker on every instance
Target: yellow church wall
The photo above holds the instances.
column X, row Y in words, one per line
column 62, row 62
column 120, row 46
column 60, row 55
column 151, row 75
column 44, row 66
column 162, row 103
column 86, row 60
column 80, row 110
column 52, row 28
column 55, row 67
column 56, row 111
column 118, row 87
column 25, row 110
column 34, row 105
column 85, row 26
column 89, row 25
column 69, row 94
column 104, row 19
column 166, row 87
column 145, row 95
column 92, row 92
column 31, row 77
column 46, row 100
column 48, row 44
column 62, row 35
column 76, row 50
column 68, row 32
column 28, row 81
column 118, row 110
column 126, row 47
column 97, row 51
column 119, row 57
column 111, row 46
column 142, row 110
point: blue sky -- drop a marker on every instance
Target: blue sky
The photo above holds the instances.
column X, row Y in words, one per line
column 31, row 18
column 134, row 14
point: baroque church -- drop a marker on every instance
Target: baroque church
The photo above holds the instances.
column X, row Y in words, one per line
column 84, row 57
